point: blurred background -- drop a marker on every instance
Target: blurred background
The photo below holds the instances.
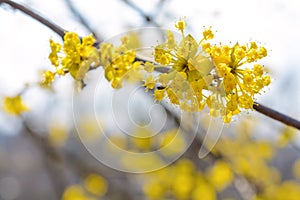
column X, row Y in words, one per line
column 42, row 156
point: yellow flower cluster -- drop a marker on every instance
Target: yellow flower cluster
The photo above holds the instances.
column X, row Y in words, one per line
column 218, row 76
column 188, row 76
column 254, row 161
column 183, row 181
column 120, row 62
column 48, row 78
column 221, row 77
column 221, row 172
column 14, row 105
column 156, row 148
column 143, row 140
column 77, row 57
column 93, row 187
column 58, row 134
column 251, row 161
column 120, row 66
column 237, row 85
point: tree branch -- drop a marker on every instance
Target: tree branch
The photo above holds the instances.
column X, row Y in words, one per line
column 51, row 158
column 28, row 11
column 276, row 115
column 81, row 19
column 57, row 161
column 147, row 17
column 159, row 6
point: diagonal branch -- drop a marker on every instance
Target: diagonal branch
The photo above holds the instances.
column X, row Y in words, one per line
column 57, row 162
column 276, row 115
column 159, row 6
column 51, row 158
column 81, row 19
column 28, row 11
column 146, row 16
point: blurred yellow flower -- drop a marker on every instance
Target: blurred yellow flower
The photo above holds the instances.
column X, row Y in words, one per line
column 220, row 175
column 58, row 134
column 77, row 57
column 204, row 191
column 14, row 105
column 180, row 25
column 142, row 139
column 289, row 190
column 172, row 142
column 75, row 192
column 296, row 169
column 286, row 136
column 48, row 78
column 96, row 184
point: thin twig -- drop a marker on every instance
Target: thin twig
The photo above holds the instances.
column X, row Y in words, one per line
column 51, row 158
column 119, row 185
column 147, row 17
column 62, row 160
column 276, row 115
column 81, row 19
column 28, row 11
column 159, row 7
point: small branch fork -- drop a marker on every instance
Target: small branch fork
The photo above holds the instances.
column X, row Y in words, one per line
column 287, row 120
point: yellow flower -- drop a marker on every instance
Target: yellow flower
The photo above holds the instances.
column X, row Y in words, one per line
column 234, row 80
column 159, row 94
column 55, row 48
column 117, row 70
column 74, row 192
column 220, row 175
column 286, row 136
column 153, row 190
column 287, row 190
column 150, row 82
column 149, row 67
column 142, row 139
column 208, row 34
column 180, row 25
column 205, row 191
column 170, row 42
column 296, row 169
column 95, row 184
column 88, row 41
column 162, row 56
column 120, row 62
column 58, row 134
column 172, row 96
column 48, row 77
column 14, row 105
column 172, row 143
column 77, row 57
column 188, row 66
